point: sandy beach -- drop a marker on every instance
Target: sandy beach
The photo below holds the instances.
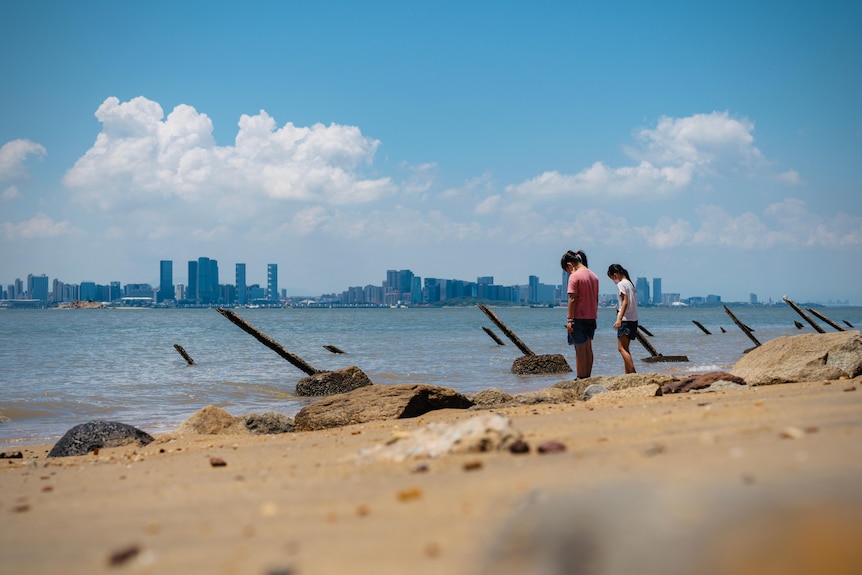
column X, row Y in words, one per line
column 734, row 480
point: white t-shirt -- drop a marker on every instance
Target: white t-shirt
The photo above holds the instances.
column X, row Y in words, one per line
column 626, row 287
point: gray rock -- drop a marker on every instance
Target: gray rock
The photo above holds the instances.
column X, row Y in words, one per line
column 480, row 433
column 615, row 382
column 213, row 420
column 547, row 395
column 721, row 385
column 92, row 435
column 377, row 403
column 491, row 398
column 699, row 381
column 539, row 364
column 268, row 423
column 332, row 382
column 806, row 357
column 593, row 390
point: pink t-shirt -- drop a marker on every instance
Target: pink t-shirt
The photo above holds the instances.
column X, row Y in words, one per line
column 585, row 285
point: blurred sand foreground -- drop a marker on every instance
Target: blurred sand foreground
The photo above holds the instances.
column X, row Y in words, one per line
column 756, row 480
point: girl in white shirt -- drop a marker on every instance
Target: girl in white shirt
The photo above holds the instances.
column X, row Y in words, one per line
column 626, row 322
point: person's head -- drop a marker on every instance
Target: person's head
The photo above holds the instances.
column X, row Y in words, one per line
column 617, row 272
column 575, row 258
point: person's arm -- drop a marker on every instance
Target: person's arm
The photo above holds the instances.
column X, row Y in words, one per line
column 624, row 304
column 570, row 310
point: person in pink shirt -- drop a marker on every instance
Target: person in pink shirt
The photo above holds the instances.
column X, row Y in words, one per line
column 582, row 310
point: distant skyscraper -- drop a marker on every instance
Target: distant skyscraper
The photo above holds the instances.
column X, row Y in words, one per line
column 405, row 281
column 241, row 287
column 192, row 291
column 752, row 298
column 416, row 289
column 207, row 281
column 166, row 280
column 88, row 291
column 272, row 282
column 37, row 287
column 656, row 291
column 115, row 292
column 534, row 289
column 642, row 287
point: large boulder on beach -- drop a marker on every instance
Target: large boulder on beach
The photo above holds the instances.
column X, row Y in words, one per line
column 332, row 382
column 806, row 357
column 376, row 403
column 540, row 364
column 87, row 437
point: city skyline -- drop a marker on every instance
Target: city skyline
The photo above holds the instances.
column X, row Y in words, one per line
column 650, row 290
column 456, row 138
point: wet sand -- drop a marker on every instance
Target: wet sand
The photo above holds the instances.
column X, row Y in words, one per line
column 658, row 474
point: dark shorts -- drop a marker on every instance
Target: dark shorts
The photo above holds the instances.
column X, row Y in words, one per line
column 628, row 329
column 582, row 330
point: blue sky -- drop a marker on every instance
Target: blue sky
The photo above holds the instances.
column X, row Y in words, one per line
column 717, row 145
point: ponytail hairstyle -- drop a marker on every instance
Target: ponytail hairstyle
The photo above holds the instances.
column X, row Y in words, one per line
column 573, row 257
column 618, row 269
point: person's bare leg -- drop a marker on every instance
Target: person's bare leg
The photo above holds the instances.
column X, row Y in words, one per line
column 623, row 347
column 584, row 359
column 581, row 367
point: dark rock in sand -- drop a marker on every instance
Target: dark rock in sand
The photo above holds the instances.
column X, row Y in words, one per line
column 806, row 357
column 92, row 435
column 332, row 382
column 539, row 364
column 376, row 403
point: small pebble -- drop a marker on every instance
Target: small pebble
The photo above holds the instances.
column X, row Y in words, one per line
column 217, row 462
column 409, row 494
column 551, row 447
column 472, row 465
column 791, row 433
column 123, row 555
column 520, row 446
column 432, row 550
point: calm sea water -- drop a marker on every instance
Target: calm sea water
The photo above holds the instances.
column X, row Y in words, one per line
column 59, row 368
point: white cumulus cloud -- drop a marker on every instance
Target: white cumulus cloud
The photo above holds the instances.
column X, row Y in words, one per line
column 140, row 155
column 39, row 226
column 13, row 156
column 669, row 157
